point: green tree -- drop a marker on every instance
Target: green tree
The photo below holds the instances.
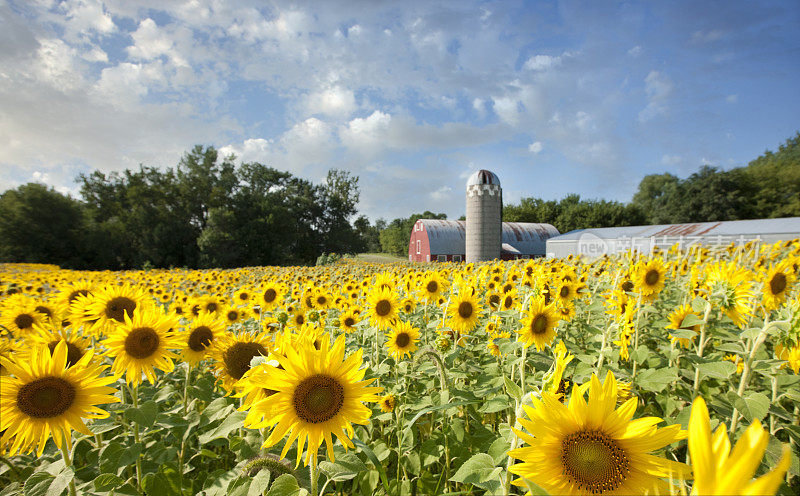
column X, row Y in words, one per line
column 39, row 224
column 395, row 236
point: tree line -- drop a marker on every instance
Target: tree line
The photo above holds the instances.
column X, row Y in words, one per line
column 205, row 212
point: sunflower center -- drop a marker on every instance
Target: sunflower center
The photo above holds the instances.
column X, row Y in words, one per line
column 200, row 338
column 74, row 353
column 508, row 302
column 142, row 342
column 349, row 322
column 23, row 321
column 402, row 340
column 211, row 307
column 465, row 310
column 233, row 315
column 494, row 300
column 75, row 294
column 563, row 292
column 270, row 295
column 777, row 284
column 432, row 286
column 244, row 296
column 539, row 324
column 627, row 286
column 593, row 461
column 652, row 277
column 318, row 399
column 118, row 307
column 383, row 308
column 321, row 300
column 46, row 397
column 44, row 310
column 237, row 358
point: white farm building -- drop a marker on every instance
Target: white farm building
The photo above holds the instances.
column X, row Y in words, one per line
column 609, row 240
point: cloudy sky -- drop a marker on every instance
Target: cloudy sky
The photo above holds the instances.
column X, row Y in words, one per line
column 555, row 97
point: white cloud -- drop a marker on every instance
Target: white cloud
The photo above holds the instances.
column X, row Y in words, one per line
column 56, row 65
column 542, row 62
column 480, row 106
column 535, row 147
column 659, row 89
column 671, row 159
column 96, row 54
column 635, row 51
column 334, row 101
column 41, row 177
column 85, row 16
column 732, row 98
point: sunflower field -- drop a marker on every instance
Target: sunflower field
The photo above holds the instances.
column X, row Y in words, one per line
column 664, row 373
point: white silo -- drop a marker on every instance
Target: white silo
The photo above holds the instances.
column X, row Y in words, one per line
column 484, row 216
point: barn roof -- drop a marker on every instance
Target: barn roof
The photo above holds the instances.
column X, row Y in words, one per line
column 449, row 236
column 756, row 227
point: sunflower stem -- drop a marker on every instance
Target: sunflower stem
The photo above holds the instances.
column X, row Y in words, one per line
column 135, row 396
column 745, row 379
column 182, row 453
column 700, row 346
column 68, row 463
column 314, row 475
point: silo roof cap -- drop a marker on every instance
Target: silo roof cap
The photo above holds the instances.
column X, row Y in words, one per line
column 483, row 176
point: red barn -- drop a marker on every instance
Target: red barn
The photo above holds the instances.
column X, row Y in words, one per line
column 445, row 240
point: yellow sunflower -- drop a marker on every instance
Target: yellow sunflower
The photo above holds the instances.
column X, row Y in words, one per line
column 200, row 333
column 320, row 394
column 388, row 403
column 382, row 305
column 730, row 287
column 778, row 283
column 464, row 310
column 43, row 396
column 539, row 327
column 676, row 319
column 110, row 305
column 232, row 354
column 348, row 320
column 432, row 286
column 19, row 316
column 49, row 336
column 649, row 278
column 593, row 447
column 402, row 340
column 270, row 296
column 718, row 470
column 143, row 343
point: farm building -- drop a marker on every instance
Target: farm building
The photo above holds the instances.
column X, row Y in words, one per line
column 608, row 240
column 445, row 240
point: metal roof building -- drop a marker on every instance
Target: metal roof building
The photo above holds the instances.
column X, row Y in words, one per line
column 445, row 240
column 608, row 240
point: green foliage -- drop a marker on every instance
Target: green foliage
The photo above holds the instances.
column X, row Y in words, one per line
column 573, row 213
column 38, row 224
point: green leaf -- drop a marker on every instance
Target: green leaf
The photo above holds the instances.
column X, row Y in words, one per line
column 753, row 406
column 496, row 404
column 722, row 369
column 260, row 483
column 479, row 468
column 656, row 379
column 156, row 484
column 499, row 450
column 412, row 463
column 346, row 466
column 218, row 485
column 691, row 320
column 374, row 459
column 682, row 333
column 512, row 388
column 230, row 424
column 107, row 482
column 699, row 305
column 44, row 484
column 145, row 415
column 286, row 485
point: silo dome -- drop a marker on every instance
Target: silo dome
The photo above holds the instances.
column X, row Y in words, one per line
column 483, row 176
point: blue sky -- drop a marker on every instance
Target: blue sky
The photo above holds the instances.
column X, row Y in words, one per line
column 554, row 97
